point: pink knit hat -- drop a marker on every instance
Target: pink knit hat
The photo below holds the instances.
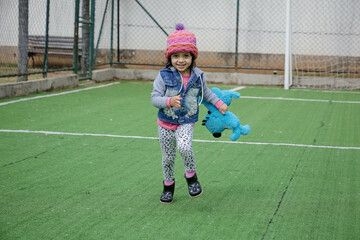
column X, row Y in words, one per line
column 181, row 41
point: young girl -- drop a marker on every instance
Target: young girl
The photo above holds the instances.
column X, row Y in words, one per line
column 178, row 91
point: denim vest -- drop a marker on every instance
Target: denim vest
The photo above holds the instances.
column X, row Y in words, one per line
column 189, row 111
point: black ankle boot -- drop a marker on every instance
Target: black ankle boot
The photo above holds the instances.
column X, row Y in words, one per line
column 195, row 189
column 168, row 194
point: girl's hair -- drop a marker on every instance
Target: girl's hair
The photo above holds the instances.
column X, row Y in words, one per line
column 192, row 65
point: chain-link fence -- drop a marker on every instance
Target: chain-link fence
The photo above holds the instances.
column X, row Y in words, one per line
column 24, row 27
column 234, row 35
column 261, row 32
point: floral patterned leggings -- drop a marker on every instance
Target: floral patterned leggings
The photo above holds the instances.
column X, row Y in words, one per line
column 182, row 137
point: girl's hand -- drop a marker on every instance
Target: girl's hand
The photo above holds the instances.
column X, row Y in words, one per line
column 175, row 101
column 223, row 108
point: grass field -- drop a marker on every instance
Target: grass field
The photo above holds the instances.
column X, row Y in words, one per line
column 87, row 165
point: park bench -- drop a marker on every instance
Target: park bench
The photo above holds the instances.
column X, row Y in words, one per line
column 57, row 45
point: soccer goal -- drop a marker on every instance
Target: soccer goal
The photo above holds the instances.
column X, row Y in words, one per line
column 322, row 44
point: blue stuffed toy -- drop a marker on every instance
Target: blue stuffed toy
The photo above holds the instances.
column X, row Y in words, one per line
column 216, row 123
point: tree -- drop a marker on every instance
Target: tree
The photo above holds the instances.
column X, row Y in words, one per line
column 23, row 39
column 85, row 36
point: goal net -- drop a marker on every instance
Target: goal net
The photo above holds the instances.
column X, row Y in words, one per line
column 325, row 43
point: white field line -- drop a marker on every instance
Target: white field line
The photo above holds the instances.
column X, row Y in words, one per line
column 57, row 94
column 236, row 89
column 300, row 99
column 195, row 140
column 326, row 91
column 313, row 90
column 293, row 99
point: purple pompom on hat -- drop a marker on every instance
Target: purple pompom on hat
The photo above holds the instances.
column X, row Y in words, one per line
column 179, row 26
column 181, row 40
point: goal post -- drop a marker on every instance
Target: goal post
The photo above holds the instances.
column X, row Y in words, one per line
column 288, row 62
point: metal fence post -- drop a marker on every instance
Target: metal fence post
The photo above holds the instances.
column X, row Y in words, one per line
column 118, row 31
column 237, row 34
column 91, row 45
column 112, row 33
column 76, row 37
column 46, row 55
column 101, row 29
column 146, row 11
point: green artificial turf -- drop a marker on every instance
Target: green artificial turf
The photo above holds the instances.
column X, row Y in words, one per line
column 107, row 187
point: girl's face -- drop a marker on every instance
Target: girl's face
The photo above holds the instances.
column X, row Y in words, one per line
column 181, row 61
